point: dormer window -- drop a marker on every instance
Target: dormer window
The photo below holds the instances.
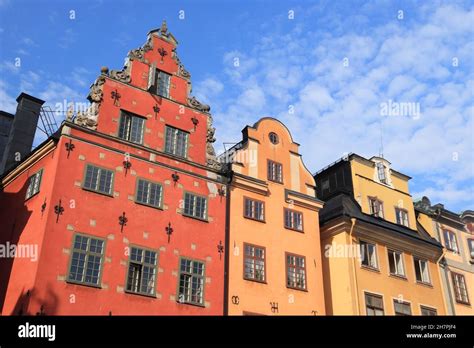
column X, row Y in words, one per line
column 376, row 207
column 381, row 173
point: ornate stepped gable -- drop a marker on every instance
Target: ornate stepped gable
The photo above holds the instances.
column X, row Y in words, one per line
column 90, row 117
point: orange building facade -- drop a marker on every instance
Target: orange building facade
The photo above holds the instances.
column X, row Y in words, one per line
column 274, row 258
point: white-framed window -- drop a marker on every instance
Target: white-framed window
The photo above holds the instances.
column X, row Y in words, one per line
column 275, row 172
column 460, row 288
column 395, row 262
column 376, row 207
column 422, row 272
column 450, row 241
column 381, row 172
column 428, row 311
column 401, row 308
column 293, row 220
column 368, row 253
column 254, row 209
column 402, row 216
column 374, row 304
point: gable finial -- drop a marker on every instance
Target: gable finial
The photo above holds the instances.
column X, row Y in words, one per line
column 164, row 28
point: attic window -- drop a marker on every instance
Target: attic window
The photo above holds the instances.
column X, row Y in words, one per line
column 381, row 173
column 273, row 138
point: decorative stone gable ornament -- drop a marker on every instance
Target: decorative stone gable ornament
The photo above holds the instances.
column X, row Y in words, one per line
column 211, row 157
column 139, row 53
column 196, row 104
column 164, row 28
column 89, row 117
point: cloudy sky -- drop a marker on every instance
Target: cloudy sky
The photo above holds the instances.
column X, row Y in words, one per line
column 330, row 70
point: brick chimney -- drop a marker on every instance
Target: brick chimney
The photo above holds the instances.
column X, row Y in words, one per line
column 22, row 131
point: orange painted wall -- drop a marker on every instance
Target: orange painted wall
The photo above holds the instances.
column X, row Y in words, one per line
column 253, row 296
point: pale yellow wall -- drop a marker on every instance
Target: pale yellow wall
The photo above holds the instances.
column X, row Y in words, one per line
column 338, row 274
column 427, row 223
column 364, row 186
column 391, row 287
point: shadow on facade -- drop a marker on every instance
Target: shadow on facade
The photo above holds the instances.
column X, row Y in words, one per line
column 14, row 216
column 30, row 303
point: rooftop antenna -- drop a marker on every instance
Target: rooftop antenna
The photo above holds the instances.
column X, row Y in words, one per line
column 381, row 139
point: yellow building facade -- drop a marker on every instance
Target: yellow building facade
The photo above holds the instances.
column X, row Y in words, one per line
column 455, row 232
column 274, row 260
column 377, row 260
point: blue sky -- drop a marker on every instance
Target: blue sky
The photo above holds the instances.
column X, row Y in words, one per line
column 326, row 71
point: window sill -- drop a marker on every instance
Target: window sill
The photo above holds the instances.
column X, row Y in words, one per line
column 175, row 155
column 130, row 141
column 149, row 205
column 463, row 303
column 195, row 218
column 98, row 192
column 191, row 304
column 294, row 229
column 254, row 219
column 256, row 281
column 276, row 182
column 140, row 294
column 428, row 285
column 72, row 282
column 369, row 268
column 33, row 195
column 298, row 289
column 396, row 276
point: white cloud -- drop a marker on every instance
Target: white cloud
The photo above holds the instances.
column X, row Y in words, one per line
column 7, row 102
column 337, row 105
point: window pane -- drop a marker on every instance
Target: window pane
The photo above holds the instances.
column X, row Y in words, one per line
column 191, row 282
column 124, row 126
column 163, row 82
column 86, row 260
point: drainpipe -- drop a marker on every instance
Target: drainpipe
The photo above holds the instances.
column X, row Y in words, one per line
column 354, row 277
column 227, row 244
column 445, row 268
column 440, row 275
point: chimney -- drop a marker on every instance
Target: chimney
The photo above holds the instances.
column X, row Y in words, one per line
column 6, row 120
column 22, row 132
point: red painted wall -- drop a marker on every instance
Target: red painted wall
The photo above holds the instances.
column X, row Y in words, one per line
column 97, row 215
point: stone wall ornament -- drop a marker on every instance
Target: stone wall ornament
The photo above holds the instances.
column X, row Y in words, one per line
column 196, row 104
column 139, row 53
column 211, row 157
column 164, row 28
column 121, row 75
column 89, row 117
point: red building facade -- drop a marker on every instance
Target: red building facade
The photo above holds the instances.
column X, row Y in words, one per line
column 125, row 203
